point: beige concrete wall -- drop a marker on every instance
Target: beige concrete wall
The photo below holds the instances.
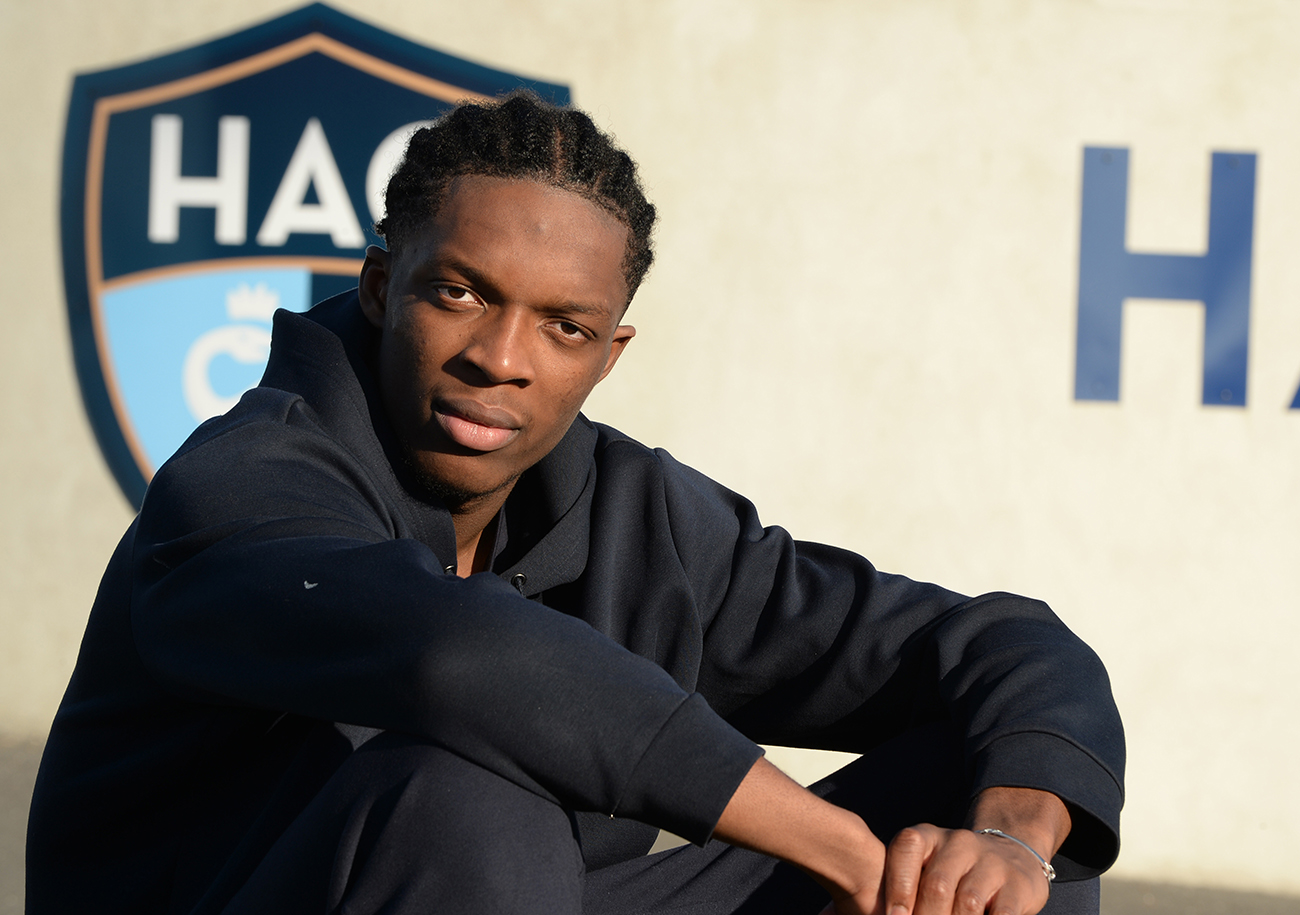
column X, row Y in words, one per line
column 863, row 318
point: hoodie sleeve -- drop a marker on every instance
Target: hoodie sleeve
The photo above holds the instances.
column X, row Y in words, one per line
column 808, row 645
column 268, row 573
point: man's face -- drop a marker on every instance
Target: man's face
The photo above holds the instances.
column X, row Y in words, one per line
column 496, row 320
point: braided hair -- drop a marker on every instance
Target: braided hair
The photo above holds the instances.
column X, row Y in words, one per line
column 520, row 136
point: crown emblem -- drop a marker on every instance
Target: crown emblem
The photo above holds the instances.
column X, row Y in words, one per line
column 251, row 303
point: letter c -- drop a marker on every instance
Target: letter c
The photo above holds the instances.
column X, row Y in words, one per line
column 244, row 343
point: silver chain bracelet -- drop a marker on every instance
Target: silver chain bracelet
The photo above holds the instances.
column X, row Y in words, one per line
column 1048, row 871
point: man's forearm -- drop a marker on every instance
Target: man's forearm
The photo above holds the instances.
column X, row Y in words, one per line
column 773, row 814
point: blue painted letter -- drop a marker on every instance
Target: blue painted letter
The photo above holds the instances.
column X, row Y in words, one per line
column 1109, row 273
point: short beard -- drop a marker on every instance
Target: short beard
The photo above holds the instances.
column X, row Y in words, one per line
column 430, row 488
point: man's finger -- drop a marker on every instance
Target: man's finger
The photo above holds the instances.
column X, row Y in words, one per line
column 904, row 863
column 954, row 881
column 977, row 889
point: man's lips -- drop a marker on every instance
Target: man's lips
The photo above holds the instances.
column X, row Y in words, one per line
column 476, row 426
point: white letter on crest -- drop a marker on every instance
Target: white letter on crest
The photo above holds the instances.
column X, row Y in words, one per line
column 244, row 343
column 169, row 190
column 384, row 161
column 312, row 163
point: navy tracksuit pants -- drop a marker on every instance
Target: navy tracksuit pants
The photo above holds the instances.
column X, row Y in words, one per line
column 401, row 828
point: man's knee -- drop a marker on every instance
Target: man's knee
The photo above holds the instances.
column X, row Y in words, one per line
column 404, row 825
column 440, row 800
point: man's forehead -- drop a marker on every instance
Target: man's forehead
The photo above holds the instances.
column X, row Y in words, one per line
column 470, row 195
column 493, row 229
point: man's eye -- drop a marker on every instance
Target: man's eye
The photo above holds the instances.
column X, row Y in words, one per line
column 569, row 329
column 455, row 293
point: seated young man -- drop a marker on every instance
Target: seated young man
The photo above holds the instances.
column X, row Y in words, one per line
column 404, row 632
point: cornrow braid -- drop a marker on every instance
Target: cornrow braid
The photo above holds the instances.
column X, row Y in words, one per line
column 520, row 136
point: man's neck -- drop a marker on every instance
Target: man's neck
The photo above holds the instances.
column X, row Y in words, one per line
column 476, row 530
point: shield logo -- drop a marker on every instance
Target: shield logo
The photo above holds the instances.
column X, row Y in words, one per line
column 205, row 188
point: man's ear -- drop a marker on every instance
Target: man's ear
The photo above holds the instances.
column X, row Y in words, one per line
column 372, row 287
column 623, row 335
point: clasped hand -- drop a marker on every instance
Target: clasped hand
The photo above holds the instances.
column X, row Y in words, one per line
column 932, row 871
column 925, row 871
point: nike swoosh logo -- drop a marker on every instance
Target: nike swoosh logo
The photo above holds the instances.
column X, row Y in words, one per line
column 310, row 584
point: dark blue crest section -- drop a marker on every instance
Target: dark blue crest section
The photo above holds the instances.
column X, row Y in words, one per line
column 286, row 97
column 204, row 188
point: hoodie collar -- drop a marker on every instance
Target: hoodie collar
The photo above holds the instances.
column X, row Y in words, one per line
column 325, row 357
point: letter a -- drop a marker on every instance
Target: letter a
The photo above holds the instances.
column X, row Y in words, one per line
column 312, row 164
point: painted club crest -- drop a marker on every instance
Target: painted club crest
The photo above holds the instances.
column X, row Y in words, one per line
column 204, row 189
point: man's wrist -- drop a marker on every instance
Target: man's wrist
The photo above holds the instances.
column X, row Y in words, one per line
column 1035, row 817
column 1048, row 871
column 842, row 857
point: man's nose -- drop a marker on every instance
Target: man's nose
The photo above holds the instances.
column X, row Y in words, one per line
column 500, row 347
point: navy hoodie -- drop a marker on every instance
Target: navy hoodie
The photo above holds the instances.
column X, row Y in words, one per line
column 639, row 633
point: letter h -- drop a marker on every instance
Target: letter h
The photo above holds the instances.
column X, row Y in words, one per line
column 169, row 190
column 1110, row 273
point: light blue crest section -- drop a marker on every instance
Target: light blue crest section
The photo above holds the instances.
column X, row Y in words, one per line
column 185, row 348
